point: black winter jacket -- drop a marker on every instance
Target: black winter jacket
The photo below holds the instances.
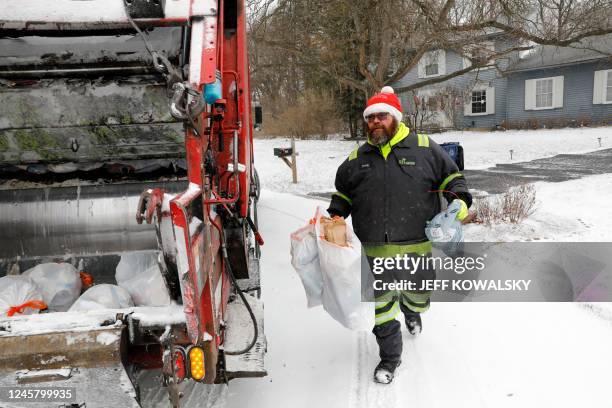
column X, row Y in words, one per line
column 391, row 199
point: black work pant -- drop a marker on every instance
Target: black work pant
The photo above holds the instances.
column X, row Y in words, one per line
column 389, row 337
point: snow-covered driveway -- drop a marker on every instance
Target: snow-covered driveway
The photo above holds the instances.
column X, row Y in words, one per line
column 469, row 354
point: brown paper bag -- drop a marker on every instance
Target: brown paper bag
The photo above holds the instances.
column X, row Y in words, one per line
column 334, row 230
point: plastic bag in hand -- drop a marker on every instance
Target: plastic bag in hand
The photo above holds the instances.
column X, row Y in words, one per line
column 341, row 271
column 445, row 230
column 305, row 261
column 60, row 284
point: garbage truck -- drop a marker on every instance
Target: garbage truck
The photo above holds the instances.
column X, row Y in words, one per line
column 126, row 127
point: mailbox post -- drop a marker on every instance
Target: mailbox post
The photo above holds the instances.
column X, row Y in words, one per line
column 283, row 153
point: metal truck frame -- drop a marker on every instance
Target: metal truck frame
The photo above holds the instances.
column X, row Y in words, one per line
column 206, row 233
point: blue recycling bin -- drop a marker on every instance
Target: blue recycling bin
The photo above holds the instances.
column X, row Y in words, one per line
column 455, row 151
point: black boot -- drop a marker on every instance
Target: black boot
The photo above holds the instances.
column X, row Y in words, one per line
column 385, row 371
column 413, row 320
column 389, row 339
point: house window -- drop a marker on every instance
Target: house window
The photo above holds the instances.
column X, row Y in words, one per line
column 609, row 87
column 544, row 93
column 432, row 64
column 431, row 68
column 479, row 101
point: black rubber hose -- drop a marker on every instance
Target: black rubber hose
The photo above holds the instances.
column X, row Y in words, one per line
column 246, row 304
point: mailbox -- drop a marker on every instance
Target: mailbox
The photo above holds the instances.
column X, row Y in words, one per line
column 283, row 151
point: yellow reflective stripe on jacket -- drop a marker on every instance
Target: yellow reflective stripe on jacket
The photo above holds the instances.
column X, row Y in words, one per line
column 449, row 179
column 391, row 250
column 353, row 154
column 423, row 140
column 343, row 196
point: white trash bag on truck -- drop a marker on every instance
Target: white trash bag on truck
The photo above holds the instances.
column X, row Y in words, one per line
column 341, row 271
column 19, row 295
column 139, row 274
column 60, row 284
column 103, row 296
column 305, row 261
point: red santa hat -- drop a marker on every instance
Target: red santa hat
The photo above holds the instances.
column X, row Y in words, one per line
column 385, row 101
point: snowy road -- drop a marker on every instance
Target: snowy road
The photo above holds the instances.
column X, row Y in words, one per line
column 469, row 354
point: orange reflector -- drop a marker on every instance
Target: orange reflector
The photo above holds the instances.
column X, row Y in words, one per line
column 196, row 363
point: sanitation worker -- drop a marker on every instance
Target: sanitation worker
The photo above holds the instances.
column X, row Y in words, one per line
column 390, row 187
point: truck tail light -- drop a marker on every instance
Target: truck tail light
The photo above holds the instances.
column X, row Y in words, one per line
column 180, row 364
column 196, row 363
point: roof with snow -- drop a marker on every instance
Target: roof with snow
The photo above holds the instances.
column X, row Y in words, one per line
column 548, row 56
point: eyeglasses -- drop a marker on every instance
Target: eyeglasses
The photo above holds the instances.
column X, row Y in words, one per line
column 380, row 116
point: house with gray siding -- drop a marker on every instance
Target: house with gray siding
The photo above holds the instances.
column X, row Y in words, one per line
column 547, row 87
column 554, row 86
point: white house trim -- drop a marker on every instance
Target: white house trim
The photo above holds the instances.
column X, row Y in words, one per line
column 600, row 85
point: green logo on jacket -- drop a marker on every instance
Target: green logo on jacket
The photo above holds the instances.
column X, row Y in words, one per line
column 404, row 162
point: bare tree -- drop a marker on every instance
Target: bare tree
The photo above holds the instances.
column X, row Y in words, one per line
column 356, row 47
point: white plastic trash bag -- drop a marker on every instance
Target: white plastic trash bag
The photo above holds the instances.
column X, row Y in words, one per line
column 139, row 274
column 305, row 261
column 60, row 284
column 445, row 231
column 103, row 296
column 17, row 293
column 341, row 272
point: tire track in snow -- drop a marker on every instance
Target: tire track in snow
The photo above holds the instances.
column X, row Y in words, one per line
column 367, row 393
column 358, row 368
column 416, row 379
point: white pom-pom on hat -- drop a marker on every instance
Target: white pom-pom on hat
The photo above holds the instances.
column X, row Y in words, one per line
column 387, row 89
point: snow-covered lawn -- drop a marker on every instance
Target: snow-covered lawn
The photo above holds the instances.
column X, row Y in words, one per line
column 486, row 149
column 318, row 159
column 570, row 211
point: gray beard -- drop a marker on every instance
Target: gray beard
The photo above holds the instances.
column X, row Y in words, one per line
column 383, row 139
column 380, row 140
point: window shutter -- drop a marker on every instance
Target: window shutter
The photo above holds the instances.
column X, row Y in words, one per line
column 490, row 101
column 558, row 92
column 599, row 84
column 421, row 67
column 441, row 62
column 530, row 94
column 467, row 105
